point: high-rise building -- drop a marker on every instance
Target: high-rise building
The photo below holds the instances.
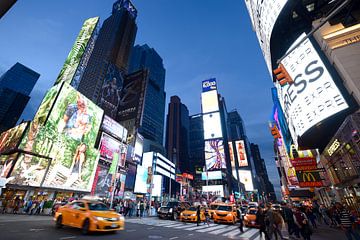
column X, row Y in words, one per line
column 152, row 125
column 235, row 126
column 177, row 134
column 15, row 87
column 111, row 51
column 5, row 5
column 196, row 148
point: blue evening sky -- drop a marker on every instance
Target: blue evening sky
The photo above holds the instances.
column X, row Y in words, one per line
column 196, row 39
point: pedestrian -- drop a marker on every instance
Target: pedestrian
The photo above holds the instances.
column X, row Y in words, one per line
column 347, row 223
column 278, row 224
column 270, row 221
column 142, row 208
column 239, row 216
column 289, row 219
column 207, row 217
column 303, row 223
column 260, row 222
column 311, row 216
column 198, row 220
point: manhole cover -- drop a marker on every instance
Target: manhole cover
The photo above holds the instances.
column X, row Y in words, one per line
column 155, row 237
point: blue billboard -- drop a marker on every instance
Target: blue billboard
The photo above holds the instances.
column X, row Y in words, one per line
column 209, row 84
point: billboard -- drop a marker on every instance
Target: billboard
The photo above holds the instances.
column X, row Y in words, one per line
column 72, row 61
column 10, row 139
column 212, row 126
column 110, row 93
column 214, row 155
column 209, row 101
column 241, row 153
column 217, row 190
column 157, row 185
column 104, row 181
column 246, row 178
column 130, row 177
column 309, row 178
column 303, row 159
column 139, row 148
column 29, row 170
column 213, row 175
column 109, row 146
column 209, row 85
column 313, row 96
column 6, row 164
column 110, row 126
column 263, row 15
column 141, row 180
column 68, row 137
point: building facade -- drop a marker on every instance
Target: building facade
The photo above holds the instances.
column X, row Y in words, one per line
column 5, row 5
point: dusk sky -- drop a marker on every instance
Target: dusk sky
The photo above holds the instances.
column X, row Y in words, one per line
column 197, row 40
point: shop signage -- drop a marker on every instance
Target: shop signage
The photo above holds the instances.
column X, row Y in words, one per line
column 188, row 176
column 209, row 84
column 303, row 160
column 309, row 179
column 333, row 147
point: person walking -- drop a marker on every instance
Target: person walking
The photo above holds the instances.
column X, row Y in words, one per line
column 289, row 219
column 207, row 218
column 347, row 223
column 303, row 223
column 142, row 208
column 198, row 220
column 239, row 216
column 269, row 220
column 260, row 222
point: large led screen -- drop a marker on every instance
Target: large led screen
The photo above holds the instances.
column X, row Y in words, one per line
column 216, row 190
column 139, row 148
column 73, row 59
column 212, row 126
column 214, row 155
column 246, row 178
column 241, row 153
column 209, row 101
column 314, row 95
column 104, row 181
column 232, row 156
column 6, row 164
column 29, row 170
column 10, row 139
column 141, row 179
column 130, row 176
column 109, row 146
column 157, row 183
column 68, row 137
column 110, row 126
column 212, row 175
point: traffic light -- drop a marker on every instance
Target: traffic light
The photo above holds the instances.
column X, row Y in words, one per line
column 275, row 132
column 282, row 76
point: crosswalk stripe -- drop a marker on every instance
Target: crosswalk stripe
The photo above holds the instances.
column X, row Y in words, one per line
column 185, row 226
column 173, row 225
column 200, row 227
column 256, row 236
column 210, row 228
column 227, row 229
column 234, row 233
column 249, row 233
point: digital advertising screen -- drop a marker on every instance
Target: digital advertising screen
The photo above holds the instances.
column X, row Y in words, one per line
column 109, row 146
column 6, row 164
column 246, row 178
column 157, row 185
column 209, row 101
column 130, row 176
column 10, row 139
column 212, row 126
column 141, row 180
column 241, row 153
column 214, row 155
column 139, row 148
column 212, row 175
column 114, row 128
column 104, row 181
column 29, row 170
column 68, row 137
column 232, row 156
column 216, row 190
column 72, row 61
column 313, row 96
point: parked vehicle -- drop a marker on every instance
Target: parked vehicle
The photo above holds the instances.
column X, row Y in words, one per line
column 172, row 210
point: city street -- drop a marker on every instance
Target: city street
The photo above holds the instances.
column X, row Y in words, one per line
column 41, row 227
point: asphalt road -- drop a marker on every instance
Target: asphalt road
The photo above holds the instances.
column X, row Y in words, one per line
column 20, row 227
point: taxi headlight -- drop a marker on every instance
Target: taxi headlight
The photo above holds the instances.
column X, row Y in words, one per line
column 170, row 210
column 181, row 214
column 193, row 215
column 99, row 218
column 121, row 218
column 229, row 214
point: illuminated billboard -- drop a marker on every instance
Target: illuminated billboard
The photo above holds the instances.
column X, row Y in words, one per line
column 104, row 181
column 246, row 178
column 72, row 61
column 6, row 164
column 209, row 101
column 68, row 137
column 212, row 126
column 214, row 155
column 109, row 146
column 29, row 170
column 263, row 15
column 141, row 180
column 212, row 175
column 314, row 95
column 217, row 190
column 241, row 153
column 157, row 183
column 110, row 126
column 232, row 157
column 10, row 139
column 209, row 85
column 139, row 148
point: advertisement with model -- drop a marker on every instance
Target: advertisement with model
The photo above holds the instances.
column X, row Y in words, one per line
column 241, row 153
column 10, row 139
column 214, row 155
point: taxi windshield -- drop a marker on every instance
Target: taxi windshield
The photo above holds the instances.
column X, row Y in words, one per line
column 252, row 211
column 192, row 209
column 213, row 207
column 98, row 207
column 224, row 208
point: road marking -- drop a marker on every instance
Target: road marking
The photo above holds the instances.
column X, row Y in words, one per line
column 250, row 233
column 235, row 233
column 173, row 225
column 173, row 238
column 200, row 227
column 227, row 229
column 211, row 228
column 190, row 234
column 64, row 238
column 131, row 230
column 36, row 229
column 150, row 228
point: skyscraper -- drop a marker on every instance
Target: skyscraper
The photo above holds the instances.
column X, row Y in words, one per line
column 177, row 134
column 15, row 87
column 152, row 126
column 111, row 51
column 5, row 5
column 236, row 126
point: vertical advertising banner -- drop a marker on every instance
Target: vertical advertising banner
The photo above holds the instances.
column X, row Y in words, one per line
column 246, row 178
column 232, row 157
column 214, row 155
column 241, row 153
column 72, row 62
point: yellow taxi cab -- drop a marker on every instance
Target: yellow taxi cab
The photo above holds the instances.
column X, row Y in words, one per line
column 89, row 216
column 250, row 217
column 189, row 215
column 225, row 214
column 212, row 208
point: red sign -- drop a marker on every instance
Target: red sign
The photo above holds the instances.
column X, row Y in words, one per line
column 188, row 176
column 232, row 199
column 309, row 179
column 306, row 163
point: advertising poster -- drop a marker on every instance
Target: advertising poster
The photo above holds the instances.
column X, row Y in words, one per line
column 28, row 170
column 104, row 181
column 209, row 102
column 130, row 176
column 212, row 126
column 110, row 93
column 232, row 157
column 157, row 185
column 216, row 190
column 241, row 153
column 141, row 180
column 213, row 175
column 246, row 179
column 109, row 146
column 214, row 155
column 68, row 137
column 110, row 126
column 139, row 148
column 314, row 95
column 6, row 164
column 120, row 188
column 10, row 139
column 72, row 61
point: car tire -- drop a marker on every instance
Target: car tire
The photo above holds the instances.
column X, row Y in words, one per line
column 85, row 227
column 59, row 222
column 215, row 222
